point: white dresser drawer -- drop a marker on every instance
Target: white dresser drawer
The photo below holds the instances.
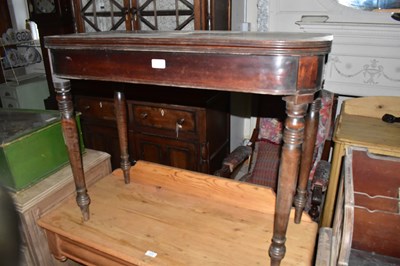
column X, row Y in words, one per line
column 6, row 91
column 9, row 102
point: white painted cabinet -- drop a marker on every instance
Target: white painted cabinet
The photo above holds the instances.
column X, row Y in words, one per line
column 27, row 94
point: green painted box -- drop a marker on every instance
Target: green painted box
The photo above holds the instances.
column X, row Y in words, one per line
column 31, row 146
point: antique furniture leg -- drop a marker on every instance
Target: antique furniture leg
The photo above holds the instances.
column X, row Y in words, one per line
column 288, row 172
column 310, row 136
column 71, row 138
column 121, row 116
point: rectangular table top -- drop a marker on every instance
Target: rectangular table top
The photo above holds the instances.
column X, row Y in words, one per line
column 265, row 63
column 186, row 218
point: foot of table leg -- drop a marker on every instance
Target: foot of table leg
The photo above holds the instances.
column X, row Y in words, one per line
column 120, row 112
column 310, row 137
column 288, row 172
column 71, row 137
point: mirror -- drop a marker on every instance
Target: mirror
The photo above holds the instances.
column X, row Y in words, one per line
column 371, row 5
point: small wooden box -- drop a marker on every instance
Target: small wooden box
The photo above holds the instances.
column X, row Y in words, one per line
column 31, row 146
column 366, row 227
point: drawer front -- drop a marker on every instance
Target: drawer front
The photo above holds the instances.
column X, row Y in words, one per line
column 8, row 92
column 9, row 102
column 95, row 108
column 164, row 118
column 172, row 152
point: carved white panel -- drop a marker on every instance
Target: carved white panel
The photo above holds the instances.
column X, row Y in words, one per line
column 363, row 76
column 365, row 57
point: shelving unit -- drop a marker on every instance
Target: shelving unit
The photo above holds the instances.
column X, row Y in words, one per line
column 22, row 88
column 16, row 72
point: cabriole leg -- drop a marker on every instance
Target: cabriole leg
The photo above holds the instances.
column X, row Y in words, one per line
column 71, row 138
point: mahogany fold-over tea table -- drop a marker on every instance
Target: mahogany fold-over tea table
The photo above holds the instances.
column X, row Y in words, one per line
column 169, row 216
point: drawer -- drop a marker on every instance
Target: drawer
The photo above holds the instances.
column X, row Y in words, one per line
column 9, row 102
column 8, row 92
column 163, row 117
column 95, row 107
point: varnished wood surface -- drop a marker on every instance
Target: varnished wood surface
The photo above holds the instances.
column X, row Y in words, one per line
column 263, row 43
column 380, row 137
column 187, row 218
column 375, row 106
column 264, row 63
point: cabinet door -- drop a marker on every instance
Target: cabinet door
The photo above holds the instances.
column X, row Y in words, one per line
column 99, row 127
column 152, row 15
column 165, row 151
column 102, row 137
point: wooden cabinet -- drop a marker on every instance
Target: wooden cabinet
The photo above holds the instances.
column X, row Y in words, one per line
column 98, row 126
column 181, row 128
column 360, row 124
column 152, row 15
column 41, row 198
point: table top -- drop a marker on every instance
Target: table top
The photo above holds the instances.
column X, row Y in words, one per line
column 169, row 216
column 360, row 124
column 16, row 123
column 371, row 132
column 264, row 63
column 190, row 40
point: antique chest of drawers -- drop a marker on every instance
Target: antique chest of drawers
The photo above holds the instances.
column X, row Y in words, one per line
column 27, row 94
column 182, row 128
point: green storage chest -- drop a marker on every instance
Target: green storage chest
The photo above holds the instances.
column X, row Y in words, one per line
column 31, row 146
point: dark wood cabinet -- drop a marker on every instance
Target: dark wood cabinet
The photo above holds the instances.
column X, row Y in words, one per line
column 99, row 128
column 136, row 15
column 177, row 153
column 181, row 128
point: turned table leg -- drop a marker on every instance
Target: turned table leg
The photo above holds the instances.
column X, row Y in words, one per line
column 71, row 138
column 288, row 172
column 121, row 117
column 310, row 137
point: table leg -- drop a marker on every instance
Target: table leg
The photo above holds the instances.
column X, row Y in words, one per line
column 310, row 137
column 288, row 172
column 327, row 213
column 71, row 138
column 121, row 117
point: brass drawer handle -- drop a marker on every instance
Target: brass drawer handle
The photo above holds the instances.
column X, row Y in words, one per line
column 178, row 126
column 144, row 115
column 180, row 122
column 87, row 107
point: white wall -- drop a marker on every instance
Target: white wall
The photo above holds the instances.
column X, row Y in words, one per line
column 18, row 13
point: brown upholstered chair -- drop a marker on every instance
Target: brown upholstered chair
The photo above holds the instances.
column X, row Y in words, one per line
column 258, row 162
